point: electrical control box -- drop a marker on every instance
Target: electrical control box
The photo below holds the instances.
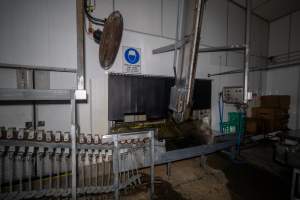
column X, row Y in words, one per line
column 48, row 136
column 40, row 135
column 89, row 138
column 233, row 95
column 31, row 134
column 66, row 136
column 10, row 133
column 57, row 136
column 96, row 139
column 21, row 134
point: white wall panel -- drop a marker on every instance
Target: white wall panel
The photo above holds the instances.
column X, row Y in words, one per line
column 169, row 17
column 6, row 54
column 214, row 23
column 295, row 32
column 236, row 25
column 236, row 35
column 103, row 8
column 29, row 32
column 61, row 40
column 285, row 81
column 8, row 78
column 259, row 37
column 279, row 36
column 141, row 15
column 15, row 115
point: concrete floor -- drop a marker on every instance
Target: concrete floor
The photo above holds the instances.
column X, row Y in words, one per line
column 222, row 179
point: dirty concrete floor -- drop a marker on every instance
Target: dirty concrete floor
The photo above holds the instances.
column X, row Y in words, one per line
column 221, row 179
column 187, row 181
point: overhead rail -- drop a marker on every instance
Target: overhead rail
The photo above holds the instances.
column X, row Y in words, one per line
column 171, row 47
column 258, row 68
column 37, row 68
column 181, row 43
column 222, row 48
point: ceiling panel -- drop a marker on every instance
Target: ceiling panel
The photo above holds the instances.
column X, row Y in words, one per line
column 272, row 9
column 255, row 3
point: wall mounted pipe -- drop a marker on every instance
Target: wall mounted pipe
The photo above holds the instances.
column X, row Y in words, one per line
column 258, row 68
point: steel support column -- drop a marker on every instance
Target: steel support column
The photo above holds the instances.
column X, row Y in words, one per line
column 80, row 45
column 247, row 50
column 152, row 160
column 116, row 165
column 74, row 148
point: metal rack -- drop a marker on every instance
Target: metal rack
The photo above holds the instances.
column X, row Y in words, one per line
column 23, row 95
column 123, row 148
column 51, row 95
column 245, row 48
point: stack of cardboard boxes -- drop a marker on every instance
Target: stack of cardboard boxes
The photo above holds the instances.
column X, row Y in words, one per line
column 272, row 115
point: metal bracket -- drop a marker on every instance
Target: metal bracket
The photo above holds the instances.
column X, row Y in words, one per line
column 80, row 95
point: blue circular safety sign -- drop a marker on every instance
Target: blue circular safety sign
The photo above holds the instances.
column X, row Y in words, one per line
column 132, row 56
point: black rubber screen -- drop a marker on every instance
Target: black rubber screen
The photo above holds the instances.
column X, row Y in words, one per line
column 136, row 94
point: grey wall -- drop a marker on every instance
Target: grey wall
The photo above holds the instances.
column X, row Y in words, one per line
column 284, row 38
column 43, row 32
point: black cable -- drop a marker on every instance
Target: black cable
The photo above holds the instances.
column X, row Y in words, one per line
column 91, row 18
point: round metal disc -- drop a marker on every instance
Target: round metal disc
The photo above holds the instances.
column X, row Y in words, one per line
column 110, row 39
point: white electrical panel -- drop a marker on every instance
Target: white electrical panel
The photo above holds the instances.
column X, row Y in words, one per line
column 24, row 79
column 233, row 95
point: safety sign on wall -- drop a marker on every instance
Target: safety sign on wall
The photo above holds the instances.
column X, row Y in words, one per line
column 131, row 60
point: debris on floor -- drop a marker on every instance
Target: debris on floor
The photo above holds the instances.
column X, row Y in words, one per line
column 188, row 181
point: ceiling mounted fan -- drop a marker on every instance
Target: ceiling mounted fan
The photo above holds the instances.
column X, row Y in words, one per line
column 109, row 38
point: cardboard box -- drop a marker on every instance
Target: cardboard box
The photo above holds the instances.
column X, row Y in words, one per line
column 270, row 101
column 276, row 101
column 274, row 125
column 253, row 126
column 267, row 113
column 257, row 126
column 284, row 101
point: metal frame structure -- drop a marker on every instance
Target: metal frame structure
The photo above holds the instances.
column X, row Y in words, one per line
column 245, row 48
column 114, row 143
column 116, row 138
column 71, row 96
column 49, row 95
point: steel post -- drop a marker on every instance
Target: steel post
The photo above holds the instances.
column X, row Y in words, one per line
column 80, row 45
column 194, row 56
column 116, row 165
column 74, row 149
column 2, row 163
column 247, row 50
column 152, row 160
